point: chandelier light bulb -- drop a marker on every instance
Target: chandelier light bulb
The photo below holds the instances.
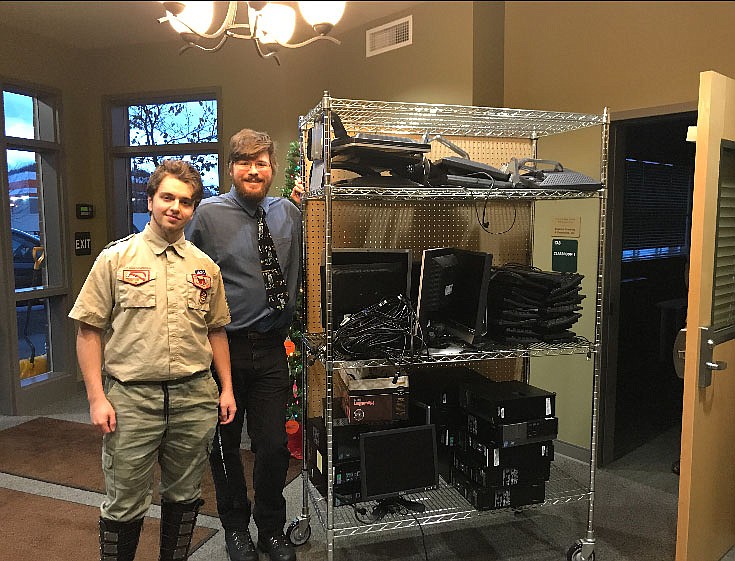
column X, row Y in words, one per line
column 275, row 23
column 270, row 26
column 322, row 16
column 197, row 15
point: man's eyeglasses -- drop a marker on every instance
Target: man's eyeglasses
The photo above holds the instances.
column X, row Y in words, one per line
column 260, row 165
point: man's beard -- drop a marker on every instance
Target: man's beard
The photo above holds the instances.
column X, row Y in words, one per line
column 252, row 196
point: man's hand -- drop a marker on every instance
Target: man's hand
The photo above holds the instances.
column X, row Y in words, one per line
column 298, row 191
column 227, row 407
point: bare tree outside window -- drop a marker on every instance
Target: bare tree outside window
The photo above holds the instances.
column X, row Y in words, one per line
column 188, row 130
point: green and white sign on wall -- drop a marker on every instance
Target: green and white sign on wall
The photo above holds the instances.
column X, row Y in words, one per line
column 564, row 255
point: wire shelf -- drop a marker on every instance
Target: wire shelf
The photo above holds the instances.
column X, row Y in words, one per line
column 316, row 345
column 449, row 193
column 459, row 120
column 444, row 504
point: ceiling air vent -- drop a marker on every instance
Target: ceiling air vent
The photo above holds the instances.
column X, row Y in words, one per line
column 393, row 35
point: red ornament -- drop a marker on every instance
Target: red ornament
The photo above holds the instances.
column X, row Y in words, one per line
column 289, row 346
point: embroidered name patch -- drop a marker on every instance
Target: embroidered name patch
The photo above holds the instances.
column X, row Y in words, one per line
column 136, row 276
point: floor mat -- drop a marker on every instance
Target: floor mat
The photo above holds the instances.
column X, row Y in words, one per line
column 69, row 453
column 36, row 527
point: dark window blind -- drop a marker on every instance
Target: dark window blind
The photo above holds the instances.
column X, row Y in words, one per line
column 655, row 209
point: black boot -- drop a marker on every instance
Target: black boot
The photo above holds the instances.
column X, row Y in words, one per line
column 119, row 540
column 177, row 526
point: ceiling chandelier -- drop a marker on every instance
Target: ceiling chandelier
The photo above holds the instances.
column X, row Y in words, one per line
column 270, row 25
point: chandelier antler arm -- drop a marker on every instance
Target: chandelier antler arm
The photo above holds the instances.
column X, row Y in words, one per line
column 191, row 42
column 235, row 35
column 309, row 41
column 271, row 54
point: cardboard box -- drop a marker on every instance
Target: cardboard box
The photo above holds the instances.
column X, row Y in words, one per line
column 369, row 400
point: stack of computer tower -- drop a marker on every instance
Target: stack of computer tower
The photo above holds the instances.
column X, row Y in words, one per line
column 503, row 455
column 528, row 305
column 495, row 438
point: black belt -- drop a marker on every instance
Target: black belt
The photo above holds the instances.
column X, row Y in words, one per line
column 200, row 374
column 275, row 334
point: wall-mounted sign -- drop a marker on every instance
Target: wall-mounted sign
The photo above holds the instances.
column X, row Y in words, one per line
column 564, row 255
column 566, row 226
column 82, row 243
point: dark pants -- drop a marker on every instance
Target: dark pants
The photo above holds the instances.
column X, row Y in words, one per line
column 261, row 384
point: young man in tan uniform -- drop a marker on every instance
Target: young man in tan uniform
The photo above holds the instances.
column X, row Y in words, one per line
column 154, row 307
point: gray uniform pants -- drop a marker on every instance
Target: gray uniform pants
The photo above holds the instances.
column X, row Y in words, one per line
column 169, row 422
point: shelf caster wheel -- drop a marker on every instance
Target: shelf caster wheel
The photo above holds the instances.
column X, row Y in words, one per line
column 575, row 553
column 297, row 535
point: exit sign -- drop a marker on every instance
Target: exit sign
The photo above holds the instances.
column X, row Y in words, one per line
column 82, row 243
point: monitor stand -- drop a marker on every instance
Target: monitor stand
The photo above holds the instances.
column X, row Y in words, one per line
column 394, row 505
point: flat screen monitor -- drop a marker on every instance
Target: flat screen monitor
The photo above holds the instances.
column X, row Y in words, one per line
column 363, row 277
column 398, row 461
column 453, row 287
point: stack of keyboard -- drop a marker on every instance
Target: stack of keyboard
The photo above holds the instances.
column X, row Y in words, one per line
column 528, row 305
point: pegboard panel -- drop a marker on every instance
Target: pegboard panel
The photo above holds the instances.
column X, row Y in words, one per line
column 495, row 152
column 415, row 225
column 317, row 385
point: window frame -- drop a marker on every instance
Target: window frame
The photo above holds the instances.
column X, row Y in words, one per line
column 118, row 152
column 19, row 396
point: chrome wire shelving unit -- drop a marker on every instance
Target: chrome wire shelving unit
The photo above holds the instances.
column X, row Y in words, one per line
column 350, row 216
column 444, row 504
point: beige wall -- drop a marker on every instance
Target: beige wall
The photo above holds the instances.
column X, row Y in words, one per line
column 583, row 56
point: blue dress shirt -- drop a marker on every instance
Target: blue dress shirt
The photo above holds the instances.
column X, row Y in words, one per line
column 225, row 228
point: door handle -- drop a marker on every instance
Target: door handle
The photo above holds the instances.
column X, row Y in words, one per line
column 708, row 339
column 719, row 365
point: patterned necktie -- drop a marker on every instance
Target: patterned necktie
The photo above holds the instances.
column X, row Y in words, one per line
column 275, row 285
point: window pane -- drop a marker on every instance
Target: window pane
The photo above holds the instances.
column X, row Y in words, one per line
column 33, row 340
column 141, row 168
column 18, row 115
column 188, row 122
column 26, row 220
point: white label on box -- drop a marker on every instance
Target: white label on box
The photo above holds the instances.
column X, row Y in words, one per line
column 548, row 406
column 496, row 457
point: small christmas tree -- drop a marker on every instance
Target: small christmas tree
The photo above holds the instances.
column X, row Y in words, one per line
column 293, row 169
column 293, row 343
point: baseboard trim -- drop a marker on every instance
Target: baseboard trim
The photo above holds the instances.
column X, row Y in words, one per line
column 572, row 451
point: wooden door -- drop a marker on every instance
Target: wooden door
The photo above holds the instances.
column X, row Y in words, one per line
column 706, row 519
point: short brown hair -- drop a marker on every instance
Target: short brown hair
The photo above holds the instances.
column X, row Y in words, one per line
column 247, row 144
column 181, row 170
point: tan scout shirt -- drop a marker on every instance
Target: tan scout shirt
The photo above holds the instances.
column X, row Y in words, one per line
column 156, row 302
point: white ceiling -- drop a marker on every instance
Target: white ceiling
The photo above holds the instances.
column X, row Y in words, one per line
column 95, row 25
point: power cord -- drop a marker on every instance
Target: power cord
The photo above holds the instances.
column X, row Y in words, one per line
column 384, row 330
column 380, row 510
column 484, row 222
